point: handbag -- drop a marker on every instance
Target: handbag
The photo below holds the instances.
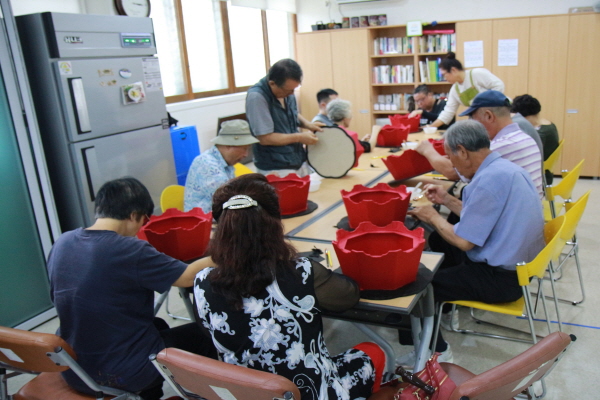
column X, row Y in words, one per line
column 432, row 383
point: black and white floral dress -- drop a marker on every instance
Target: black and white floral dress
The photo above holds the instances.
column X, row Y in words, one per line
column 281, row 331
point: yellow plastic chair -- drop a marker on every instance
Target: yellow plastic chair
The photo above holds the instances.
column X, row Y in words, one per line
column 525, row 271
column 563, row 189
column 574, row 211
column 241, row 169
column 551, row 161
column 172, row 197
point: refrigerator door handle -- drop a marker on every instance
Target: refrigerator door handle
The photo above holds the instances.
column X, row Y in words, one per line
column 82, row 115
column 90, row 165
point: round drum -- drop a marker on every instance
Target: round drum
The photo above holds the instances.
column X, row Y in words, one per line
column 334, row 154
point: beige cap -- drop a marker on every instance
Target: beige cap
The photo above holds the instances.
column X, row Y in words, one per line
column 234, row 133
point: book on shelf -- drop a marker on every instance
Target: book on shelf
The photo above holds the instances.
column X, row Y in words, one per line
column 437, row 31
column 438, row 43
column 395, row 45
column 432, row 66
column 385, row 74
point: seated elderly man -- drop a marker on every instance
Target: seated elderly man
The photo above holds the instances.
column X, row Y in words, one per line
column 492, row 109
column 501, row 222
column 102, row 281
column 214, row 167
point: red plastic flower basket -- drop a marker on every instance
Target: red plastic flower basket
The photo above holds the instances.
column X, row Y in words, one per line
column 438, row 145
column 392, row 136
column 380, row 258
column 292, row 191
column 413, row 123
column 407, row 165
column 379, row 205
column 181, row 235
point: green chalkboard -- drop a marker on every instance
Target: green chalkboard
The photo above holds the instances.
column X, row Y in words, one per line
column 24, row 288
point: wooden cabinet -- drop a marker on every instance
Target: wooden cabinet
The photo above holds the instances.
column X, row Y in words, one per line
column 515, row 78
column 313, row 52
column 548, row 67
column 582, row 102
column 328, row 61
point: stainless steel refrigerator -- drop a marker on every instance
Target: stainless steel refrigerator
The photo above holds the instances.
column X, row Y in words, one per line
column 100, row 106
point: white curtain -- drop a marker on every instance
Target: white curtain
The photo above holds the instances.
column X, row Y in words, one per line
column 276, row 5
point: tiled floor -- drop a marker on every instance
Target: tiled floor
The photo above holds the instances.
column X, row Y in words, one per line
column 573, row 378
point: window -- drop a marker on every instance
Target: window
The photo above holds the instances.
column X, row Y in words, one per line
column 210, row 47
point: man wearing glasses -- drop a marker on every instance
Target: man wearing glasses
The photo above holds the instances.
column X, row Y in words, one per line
column 102, row 283
column 428, row 106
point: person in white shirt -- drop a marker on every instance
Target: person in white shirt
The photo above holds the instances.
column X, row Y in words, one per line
column 465, row 86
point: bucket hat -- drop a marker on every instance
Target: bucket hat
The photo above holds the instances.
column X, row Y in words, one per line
column 234, row 133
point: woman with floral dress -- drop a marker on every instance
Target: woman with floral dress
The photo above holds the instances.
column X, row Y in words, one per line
column 262, row 303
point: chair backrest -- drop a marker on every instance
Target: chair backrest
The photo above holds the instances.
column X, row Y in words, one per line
column 216, row 379
column 510, row 378
column 172, row 197
column 574, row 212
column 554, row 243
column 550, row 162
column 564, row 188
column 26, row 350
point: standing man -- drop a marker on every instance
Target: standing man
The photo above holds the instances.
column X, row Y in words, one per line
column 102, row 282
column 214, row 167
column 324, row 96
column 429, row 108
column 274, row 120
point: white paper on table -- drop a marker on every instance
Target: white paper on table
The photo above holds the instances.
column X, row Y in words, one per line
column 473, row 54
column 508, row 52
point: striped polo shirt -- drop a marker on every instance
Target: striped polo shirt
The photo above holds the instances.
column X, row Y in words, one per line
column 515, row 145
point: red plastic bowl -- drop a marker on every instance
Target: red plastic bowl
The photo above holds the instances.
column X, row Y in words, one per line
column 379, row 205
column 413, row 123
column 407, row 165
column 292, row 191
column 380, row 258
column 438, row 145
column 181, row 235
column 392, row 136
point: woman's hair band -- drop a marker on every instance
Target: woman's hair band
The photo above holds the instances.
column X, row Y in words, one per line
column 239, row 201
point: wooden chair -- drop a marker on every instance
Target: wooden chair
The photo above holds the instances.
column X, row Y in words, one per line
column 526, row 272
column 191, row 376
column 513, row 376
column 47, row 355
column 172, row 197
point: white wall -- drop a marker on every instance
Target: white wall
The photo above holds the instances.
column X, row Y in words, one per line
column 400, row 11
column 20, row 7
column 204, row 114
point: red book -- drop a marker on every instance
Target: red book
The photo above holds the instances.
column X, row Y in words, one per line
column 437, row 31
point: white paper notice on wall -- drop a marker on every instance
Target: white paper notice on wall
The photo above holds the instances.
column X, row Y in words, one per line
column 508, row 52
column 473, row 54
column 11, row 355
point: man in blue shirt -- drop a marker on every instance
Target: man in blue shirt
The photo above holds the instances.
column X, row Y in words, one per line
column 102, row 281
column 501, row 222
column 214, row 167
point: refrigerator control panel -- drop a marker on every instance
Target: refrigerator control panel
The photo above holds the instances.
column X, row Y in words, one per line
column 136, row 40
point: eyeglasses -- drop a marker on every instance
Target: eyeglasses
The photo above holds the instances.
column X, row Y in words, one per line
column 146, row 219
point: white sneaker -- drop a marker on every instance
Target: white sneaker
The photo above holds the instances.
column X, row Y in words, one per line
column 449, row 321
column 408, row 360
column 446, row 356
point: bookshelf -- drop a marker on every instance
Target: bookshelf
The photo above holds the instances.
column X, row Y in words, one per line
column 399, row 64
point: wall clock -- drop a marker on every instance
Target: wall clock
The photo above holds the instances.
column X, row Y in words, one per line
column 133, row 8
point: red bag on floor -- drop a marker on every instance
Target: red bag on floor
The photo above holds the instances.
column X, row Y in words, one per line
column 431, row 383
column 400, row 119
